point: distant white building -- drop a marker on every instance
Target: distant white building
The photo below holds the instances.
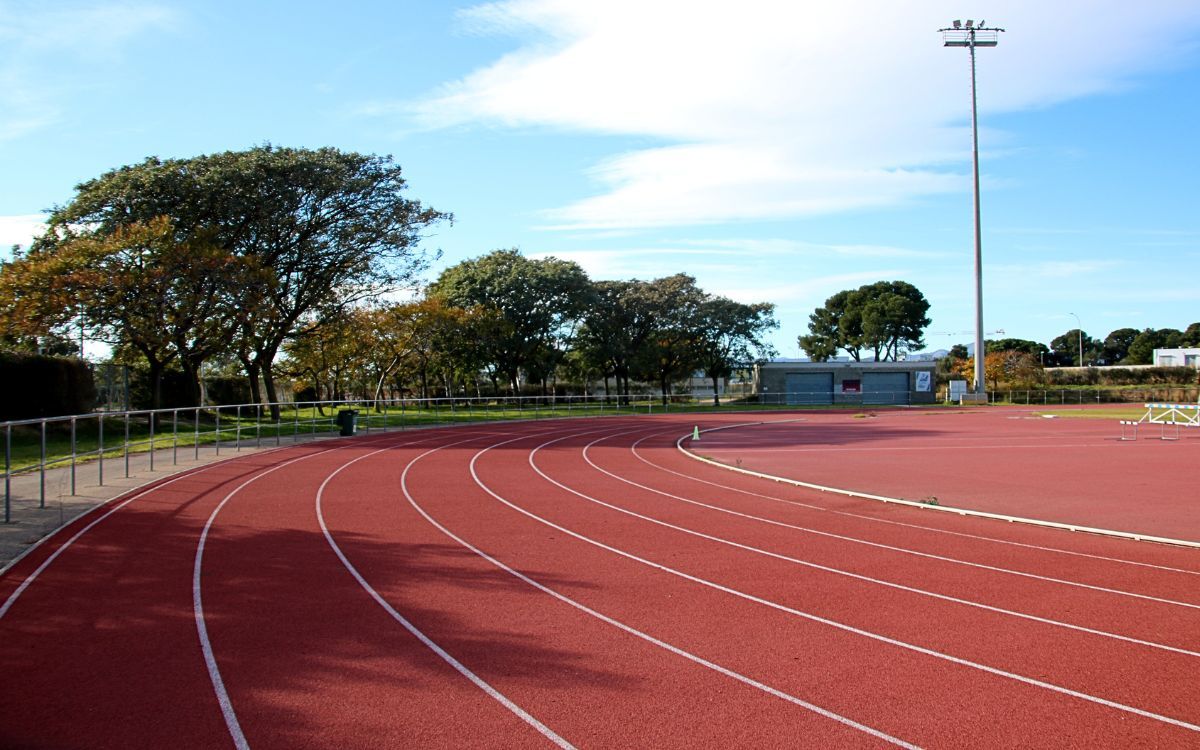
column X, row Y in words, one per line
column 1177, row 357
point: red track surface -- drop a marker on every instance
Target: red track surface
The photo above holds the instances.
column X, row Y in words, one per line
column 580, row 582
column 1009, row 461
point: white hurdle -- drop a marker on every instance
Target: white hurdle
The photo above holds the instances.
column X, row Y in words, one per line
column 1130, row 426
column 1165, row 415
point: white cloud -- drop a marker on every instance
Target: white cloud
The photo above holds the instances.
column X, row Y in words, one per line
column 769, row 109
column 35, row 88
column 19, row 230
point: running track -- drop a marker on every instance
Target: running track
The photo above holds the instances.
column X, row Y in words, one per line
column 580, row 583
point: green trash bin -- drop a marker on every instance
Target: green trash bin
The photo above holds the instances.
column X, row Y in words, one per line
column 347, row 420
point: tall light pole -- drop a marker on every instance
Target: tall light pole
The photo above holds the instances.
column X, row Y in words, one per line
column 971, row 36
column 1079, row 328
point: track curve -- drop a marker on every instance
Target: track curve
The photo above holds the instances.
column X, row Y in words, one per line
column 580, row 583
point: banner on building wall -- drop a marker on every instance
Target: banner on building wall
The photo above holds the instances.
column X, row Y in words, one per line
column 924, row 381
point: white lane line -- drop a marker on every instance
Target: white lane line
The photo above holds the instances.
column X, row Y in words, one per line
column 622, row 626
column 936, row 508
column 833, row 623
column 905, row 449
column 410, row 627
column 210, row 659
column 817, row 566
column 63, row 548
column 981, row 566
column 848, row 514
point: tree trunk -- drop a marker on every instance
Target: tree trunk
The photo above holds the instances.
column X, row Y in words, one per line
column 156, row 377
column 252, row 372
column 191, row 369
column 272, row 395
column 716, row 397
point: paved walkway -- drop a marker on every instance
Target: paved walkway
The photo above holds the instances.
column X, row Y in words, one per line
column 30, row 522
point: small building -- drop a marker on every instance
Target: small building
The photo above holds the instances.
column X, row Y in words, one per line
column 845, row 382
column 1177, row 357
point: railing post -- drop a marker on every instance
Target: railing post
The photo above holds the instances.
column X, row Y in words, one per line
column 153, row 419
column 100, row 440
column 237, row 434
column 196, row 438
column 125, row 445
column 217, row 431
column 7, row 473
column 175, row 437
column 73, row 447
column 42, row 468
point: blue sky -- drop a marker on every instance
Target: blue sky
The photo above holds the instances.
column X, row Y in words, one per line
column 779, row 151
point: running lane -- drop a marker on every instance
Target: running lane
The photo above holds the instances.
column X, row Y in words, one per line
column 1009, row 461
column 100, row 649
column 582, row 583
column 1024, row 651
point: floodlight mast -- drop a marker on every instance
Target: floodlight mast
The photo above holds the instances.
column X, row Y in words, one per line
column 974, row 35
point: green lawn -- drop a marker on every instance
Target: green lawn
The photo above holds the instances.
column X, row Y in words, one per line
column 1129, row 412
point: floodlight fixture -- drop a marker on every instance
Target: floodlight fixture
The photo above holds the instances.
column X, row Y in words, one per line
column 971, row 37
column 958, row 24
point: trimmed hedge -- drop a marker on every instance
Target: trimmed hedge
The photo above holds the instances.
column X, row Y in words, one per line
column 39, row 386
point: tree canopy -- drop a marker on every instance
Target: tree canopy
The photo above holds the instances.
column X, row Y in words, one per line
column 540, row 300
column 887, row 318
column 319, row 229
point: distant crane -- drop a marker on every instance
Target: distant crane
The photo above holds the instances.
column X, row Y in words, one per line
column 997, row 332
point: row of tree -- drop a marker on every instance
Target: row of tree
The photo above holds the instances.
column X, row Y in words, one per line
column 278, row 259
column 888, row 318
column 506, row 320
column 1124, row 346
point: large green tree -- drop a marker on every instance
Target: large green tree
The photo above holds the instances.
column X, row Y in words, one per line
column 732, row 335
column 1064, row 349
column 887, row 318
column 326, row 228
column 616, row 327
column 1141, row 350
column 1115, row 348
column 671, row 350
column 138, row 288
column 542, row 301
column 1035, row 348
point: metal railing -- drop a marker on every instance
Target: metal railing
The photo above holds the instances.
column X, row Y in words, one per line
column 66, row 443
column 39, row 446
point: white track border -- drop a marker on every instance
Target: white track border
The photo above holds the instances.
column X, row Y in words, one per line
column 914, row 503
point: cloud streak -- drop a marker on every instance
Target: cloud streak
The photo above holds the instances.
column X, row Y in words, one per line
column 778, row 109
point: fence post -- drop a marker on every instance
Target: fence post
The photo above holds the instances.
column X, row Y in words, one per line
column 42, row 468
column 100, row 440
column 7, row 473
column 73, row 447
